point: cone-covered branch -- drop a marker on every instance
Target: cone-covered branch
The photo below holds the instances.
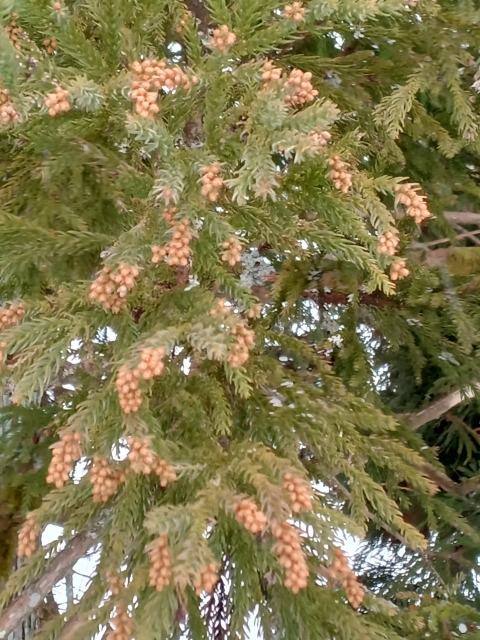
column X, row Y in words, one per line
column 219, row 219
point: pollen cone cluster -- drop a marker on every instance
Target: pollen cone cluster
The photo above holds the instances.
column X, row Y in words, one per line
column 165, row 472
column 388, row 243
column 342, row 179
column 182, row 23
column 222, row 38
column 51, row 45
column 249, row 515
column 142, row 458
column 355, row 593
column 399, row 270
column 64, row 454
column 152, row 76
column 160, row 571
column 232, row 250
column 244, row 341
column 4, row 96
column 151, row 364
column 290, row 556
column 255, row 311
column 115, row 583
column 207, row 580
column 110, row 288
column 298, row 88
column 211, row 181
column 105, row 479
column 167, row 193
column 8, row 113
column 145, row 100
column 129, row 393
column 298, row 492
column 221, row 309
column 177, row 251
column 57, row 102
column 320, row 138
column 125, row 279
column 122, row 626
column 271, row 73
column 413, row 202
column 27, row 537
column 14, row 32
column 158, row 254
column 11, row 315
column 295, row 11
column 169, row 215
column 157, row 74
column 3, row 347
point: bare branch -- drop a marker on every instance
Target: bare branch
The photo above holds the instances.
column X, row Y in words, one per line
column 69, row 587
column 453, row 418
column 32, row 597
column 322, row 297
column 460, row 236
column 462, row 217
column 71, row 628
column 372, row 299
column 442, row 256
column 467, row 234
column 441, row 479
column 437, row 408
column 199, row 10
column 460, row 489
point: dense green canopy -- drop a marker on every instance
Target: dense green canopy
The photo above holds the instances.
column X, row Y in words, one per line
column 239, row 273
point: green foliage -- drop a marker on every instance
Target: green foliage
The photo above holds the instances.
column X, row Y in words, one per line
column 336, row 351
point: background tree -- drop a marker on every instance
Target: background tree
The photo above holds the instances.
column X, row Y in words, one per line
column 228, row 301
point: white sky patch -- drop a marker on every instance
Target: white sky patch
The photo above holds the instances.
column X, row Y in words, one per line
column 82, row 572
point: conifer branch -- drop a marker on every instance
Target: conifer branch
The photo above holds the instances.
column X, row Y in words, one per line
column 439, row 407
column 32, row 597
column 459, row 489
column 453, row 418
column 371, row 516
column 142, row 174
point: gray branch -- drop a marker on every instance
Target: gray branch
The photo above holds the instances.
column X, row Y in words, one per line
column 437, row 408
column 467, row 234
column 462, row 217
column 34, row 595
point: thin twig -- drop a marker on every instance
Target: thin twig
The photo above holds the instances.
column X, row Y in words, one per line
column 468, row 234
column 465, row 234
column 371, row 516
